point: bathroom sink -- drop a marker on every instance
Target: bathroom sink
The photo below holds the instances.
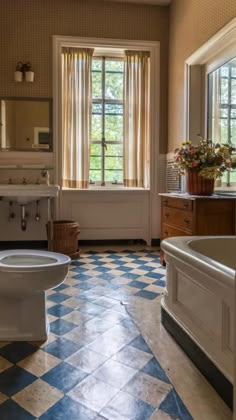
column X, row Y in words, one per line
column 23, row 194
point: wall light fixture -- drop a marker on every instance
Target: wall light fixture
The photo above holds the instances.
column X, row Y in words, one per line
column 24, row 72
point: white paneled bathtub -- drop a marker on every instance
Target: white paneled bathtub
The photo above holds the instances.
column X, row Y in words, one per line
column 199, row 295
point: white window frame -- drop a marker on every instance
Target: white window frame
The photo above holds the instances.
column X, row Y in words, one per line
column 103, row 45
column 103, row 101
column 210, row 56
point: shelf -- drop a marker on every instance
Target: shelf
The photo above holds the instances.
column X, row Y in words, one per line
column 20, row 168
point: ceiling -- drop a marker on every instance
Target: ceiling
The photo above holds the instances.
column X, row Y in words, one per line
column 156, row 2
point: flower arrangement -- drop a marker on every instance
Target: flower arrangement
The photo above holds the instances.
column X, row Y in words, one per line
column 208, row 158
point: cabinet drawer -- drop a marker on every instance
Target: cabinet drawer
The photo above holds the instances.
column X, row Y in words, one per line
column 180, row 218
column 178, row 203
column 169, row 231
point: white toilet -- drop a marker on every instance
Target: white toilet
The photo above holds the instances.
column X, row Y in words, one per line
column 25, row 275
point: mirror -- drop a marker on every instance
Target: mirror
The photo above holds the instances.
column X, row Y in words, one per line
column 25, row 124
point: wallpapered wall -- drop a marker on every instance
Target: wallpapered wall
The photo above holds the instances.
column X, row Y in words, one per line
column 192, row 23
column 26, row 27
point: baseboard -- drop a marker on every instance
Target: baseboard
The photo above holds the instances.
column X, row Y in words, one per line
column 23, row 245
column 112, row 242
column 156, row 242
column 219, row 382
column 44, row 244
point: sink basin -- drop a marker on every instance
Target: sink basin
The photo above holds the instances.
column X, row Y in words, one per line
column 23, row 194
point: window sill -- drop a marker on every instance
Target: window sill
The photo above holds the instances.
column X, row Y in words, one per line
column 108, row 188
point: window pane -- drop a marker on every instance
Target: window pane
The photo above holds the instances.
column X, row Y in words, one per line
column 115, row 66
column 95, row 149
column 96, row 85
column 233, row 131
column 224, row 92
column 233, row 112
column 96, row 131
column 114, row 122
column 224, row 131
column 113, row 128
column 114, row 163
column 114, row 86
column 114, row 176
column 224, row 71
column 95, row 162
column 95, row 176
column 114, row 150
column 224, row 112
column 114, row 79
column 233, row 91
column 233, row 70
column 96, row 64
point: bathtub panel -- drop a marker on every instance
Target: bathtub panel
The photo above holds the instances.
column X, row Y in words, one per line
column 201, row 305
column 200, row 297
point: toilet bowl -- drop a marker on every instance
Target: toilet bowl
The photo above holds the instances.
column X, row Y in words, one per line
column 25, row 275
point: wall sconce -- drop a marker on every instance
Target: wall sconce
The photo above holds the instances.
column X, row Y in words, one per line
column 24, row 72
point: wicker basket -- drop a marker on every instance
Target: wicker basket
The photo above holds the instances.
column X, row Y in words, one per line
column 197, row 185
column 65, row 237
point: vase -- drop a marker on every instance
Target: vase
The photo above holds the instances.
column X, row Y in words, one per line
column 198, row 185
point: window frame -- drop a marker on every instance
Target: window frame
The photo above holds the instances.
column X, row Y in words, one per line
column 103, row 101
column 220, row 49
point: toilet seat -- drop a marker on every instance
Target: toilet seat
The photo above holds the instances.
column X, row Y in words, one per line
column 22, row 260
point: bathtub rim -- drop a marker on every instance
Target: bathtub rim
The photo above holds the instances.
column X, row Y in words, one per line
column 178, row 247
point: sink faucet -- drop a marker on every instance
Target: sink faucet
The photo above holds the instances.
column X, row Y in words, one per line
column 45, row 174
column 24, row 182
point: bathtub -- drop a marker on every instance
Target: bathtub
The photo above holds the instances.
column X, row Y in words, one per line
column 198, row 303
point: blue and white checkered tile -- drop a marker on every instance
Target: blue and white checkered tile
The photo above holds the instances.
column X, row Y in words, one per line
column 95, row 364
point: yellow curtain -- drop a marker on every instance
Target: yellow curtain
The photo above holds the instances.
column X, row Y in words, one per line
column 136, row 121
column 76, row 116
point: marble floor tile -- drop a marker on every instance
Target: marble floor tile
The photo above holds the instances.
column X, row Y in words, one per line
column 115, row 373
column 3, row 398
column 132, row 357
column 148, row 389
column 4, row 364
column 93, row 393
column 87, row 360
column 37, row 397
column 39, row 363
column 125, row 407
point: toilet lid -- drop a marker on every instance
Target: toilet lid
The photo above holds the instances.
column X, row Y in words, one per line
column 30, row 260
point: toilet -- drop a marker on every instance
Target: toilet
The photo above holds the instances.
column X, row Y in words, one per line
column 25, row 276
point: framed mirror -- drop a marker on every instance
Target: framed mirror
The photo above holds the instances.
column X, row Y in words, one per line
column 26, row 124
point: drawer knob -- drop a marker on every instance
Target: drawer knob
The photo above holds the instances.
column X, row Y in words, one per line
column 186, row 205
column 167, row 215
column 186, row 221
column 166, row 232
column 165, row 201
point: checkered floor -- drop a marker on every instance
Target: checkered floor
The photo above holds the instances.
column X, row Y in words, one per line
column 95, row 364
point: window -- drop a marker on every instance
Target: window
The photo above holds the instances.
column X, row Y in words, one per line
column 106, row 161
column 221, row 124
column 107, row 123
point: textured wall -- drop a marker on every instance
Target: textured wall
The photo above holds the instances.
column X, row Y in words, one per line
column 192, row 23
column 26, row 27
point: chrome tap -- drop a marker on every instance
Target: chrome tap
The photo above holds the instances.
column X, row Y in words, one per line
column 45, row 175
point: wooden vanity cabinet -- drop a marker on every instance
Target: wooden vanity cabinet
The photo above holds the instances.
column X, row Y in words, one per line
column 184, row 215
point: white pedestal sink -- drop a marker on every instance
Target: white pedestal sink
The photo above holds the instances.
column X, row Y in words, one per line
column 24, row 193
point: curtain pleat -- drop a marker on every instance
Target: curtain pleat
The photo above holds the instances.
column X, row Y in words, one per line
column 136, row 121
column 76, row 116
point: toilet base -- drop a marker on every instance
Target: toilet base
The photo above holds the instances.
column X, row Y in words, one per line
column 23, row 318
